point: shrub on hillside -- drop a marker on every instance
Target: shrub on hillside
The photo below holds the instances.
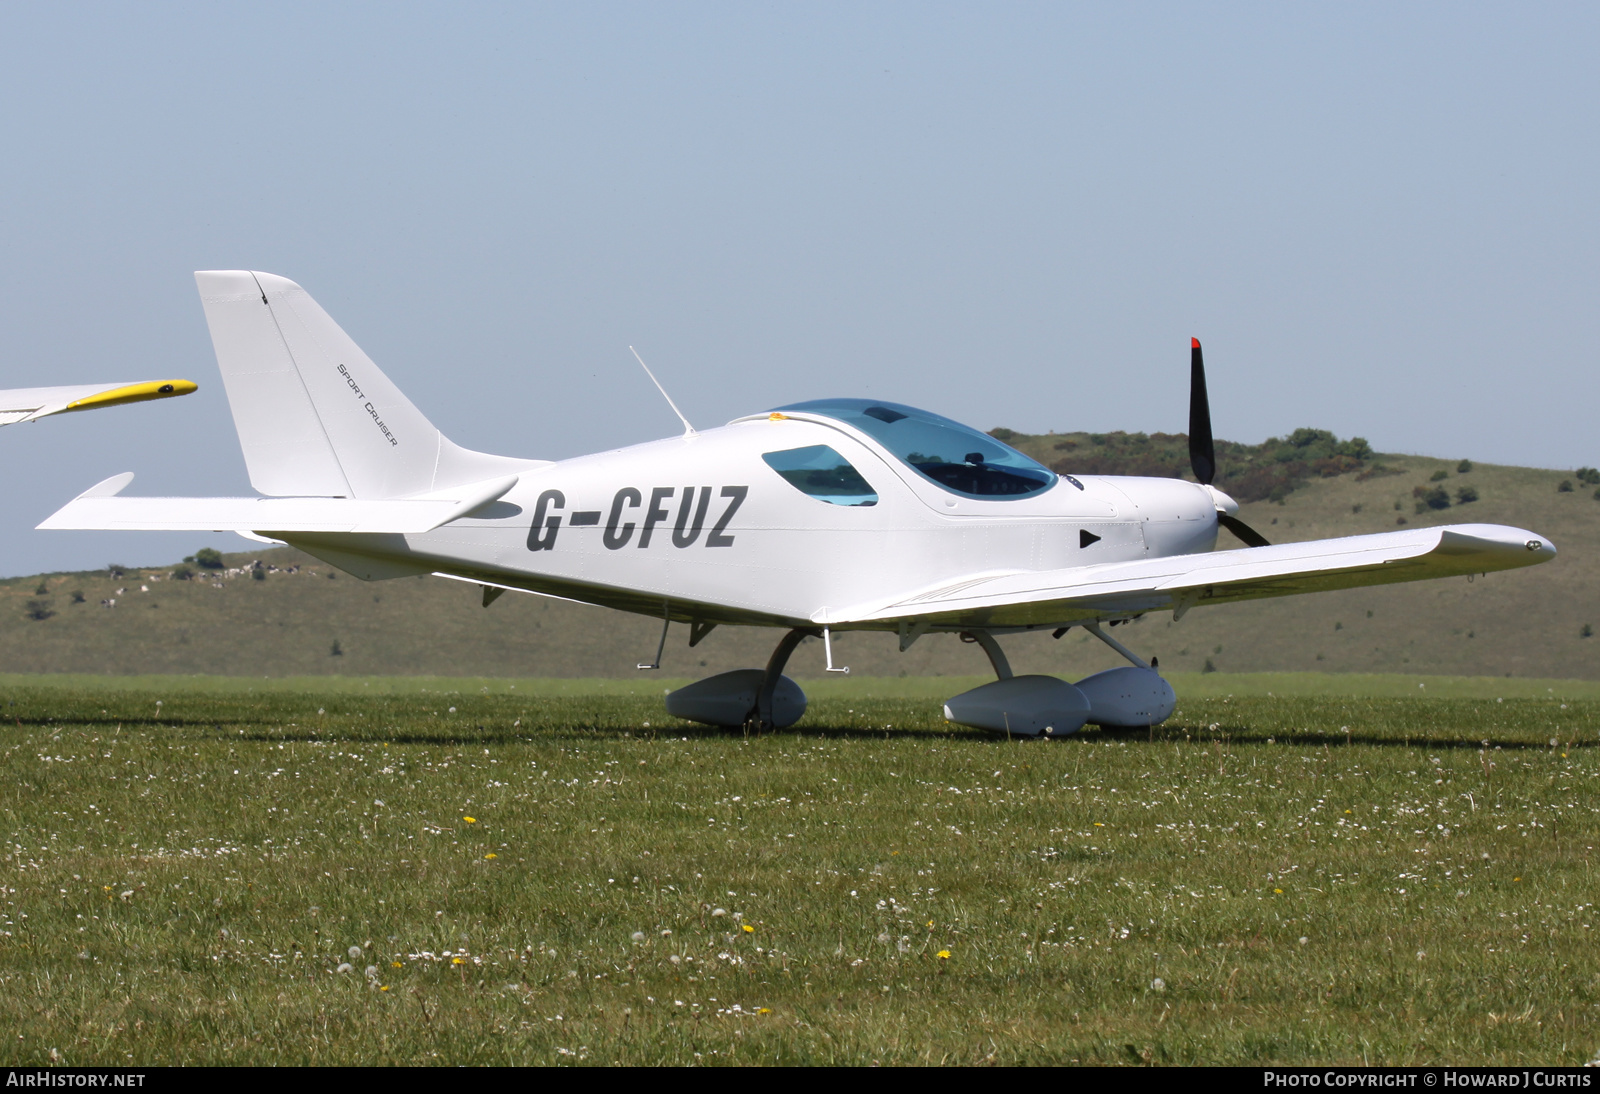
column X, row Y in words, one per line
column 1436, row 498
column 39, row 609
column 1439, row 475
column 1463, row 467
column 1002, row 434
column 182, row 573
column 1376, row 468
column 1466, row 494
column 208, row 558
column 1589, row 476
column 1565, row 487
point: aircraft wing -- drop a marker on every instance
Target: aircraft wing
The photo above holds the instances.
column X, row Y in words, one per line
column 26, row 404
column 99, row 508
column 1177, row 583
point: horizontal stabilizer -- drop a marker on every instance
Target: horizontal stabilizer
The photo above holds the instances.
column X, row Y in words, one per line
column 99, row 508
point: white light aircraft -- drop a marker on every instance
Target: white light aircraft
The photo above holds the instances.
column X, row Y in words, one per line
column 815, row 518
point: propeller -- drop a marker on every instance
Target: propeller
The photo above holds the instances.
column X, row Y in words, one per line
column 1203, row 449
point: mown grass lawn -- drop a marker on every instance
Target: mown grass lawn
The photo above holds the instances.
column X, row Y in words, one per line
column 287, row 877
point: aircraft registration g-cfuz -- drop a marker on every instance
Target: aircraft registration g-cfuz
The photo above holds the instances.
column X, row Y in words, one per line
column 819, row 517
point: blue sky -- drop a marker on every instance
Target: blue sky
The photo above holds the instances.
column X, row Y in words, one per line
column 1379, row 218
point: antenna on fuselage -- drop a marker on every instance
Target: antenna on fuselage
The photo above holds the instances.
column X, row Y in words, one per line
column 688, row 430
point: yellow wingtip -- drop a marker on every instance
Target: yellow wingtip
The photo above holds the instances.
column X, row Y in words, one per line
column 134, row 393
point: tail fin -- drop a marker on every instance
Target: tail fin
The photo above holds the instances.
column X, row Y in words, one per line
column 315, row 416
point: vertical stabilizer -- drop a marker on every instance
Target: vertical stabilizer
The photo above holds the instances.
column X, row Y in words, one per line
column 315, row 415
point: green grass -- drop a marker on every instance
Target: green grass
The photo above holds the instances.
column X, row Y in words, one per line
column 1308, row 879
column 1218, row 685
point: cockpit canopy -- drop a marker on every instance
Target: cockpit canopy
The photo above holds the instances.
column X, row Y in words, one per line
column 956, row 457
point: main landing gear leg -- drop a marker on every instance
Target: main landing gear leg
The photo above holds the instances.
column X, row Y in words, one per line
column 997, row 657
column 761, row 717
column 1094, row 629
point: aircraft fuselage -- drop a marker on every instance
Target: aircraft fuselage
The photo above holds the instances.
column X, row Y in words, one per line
column 683, row 522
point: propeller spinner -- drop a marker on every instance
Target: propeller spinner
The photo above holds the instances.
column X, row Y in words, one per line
column 1202, row 448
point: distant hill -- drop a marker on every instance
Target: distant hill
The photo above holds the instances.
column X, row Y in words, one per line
column 1247, row 472
column 1524, row 623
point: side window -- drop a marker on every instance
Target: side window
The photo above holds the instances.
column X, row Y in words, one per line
column 819, row 472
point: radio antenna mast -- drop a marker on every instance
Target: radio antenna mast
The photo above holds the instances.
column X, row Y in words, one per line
column 688, row 430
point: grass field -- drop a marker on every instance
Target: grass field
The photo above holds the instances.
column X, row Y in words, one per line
column 496, row 872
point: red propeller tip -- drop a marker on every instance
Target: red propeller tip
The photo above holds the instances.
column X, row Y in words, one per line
column 1194, row 343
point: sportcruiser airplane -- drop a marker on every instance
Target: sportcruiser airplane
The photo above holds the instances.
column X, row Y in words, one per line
column 814, row 518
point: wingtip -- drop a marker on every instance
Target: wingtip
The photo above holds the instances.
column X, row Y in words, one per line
column 1194, row 343
column 134, row 393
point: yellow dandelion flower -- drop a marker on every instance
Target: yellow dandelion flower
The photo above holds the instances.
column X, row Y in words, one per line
column 763, row 1010
column 1277, row 890
column 944, row 955
column 749, row 929
column 457, row 961
column 396, row 965
column 383, row 987
column 491, row 854
column 930, row 924
column 470, row 820
column 1097, row 824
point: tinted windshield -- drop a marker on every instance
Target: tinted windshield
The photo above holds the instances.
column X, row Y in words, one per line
column 955, row 456
column 822, row 473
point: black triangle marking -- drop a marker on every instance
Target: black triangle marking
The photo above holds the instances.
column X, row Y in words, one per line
column 1086, row 537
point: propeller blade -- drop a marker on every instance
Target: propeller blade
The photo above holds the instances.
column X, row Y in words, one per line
column 1249, row 535
column 1202, row 451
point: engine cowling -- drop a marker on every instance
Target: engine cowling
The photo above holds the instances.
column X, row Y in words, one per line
column 729, row 698
column 1023, row 705
column 1128, row 696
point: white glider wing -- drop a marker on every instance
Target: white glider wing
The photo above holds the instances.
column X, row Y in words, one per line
column 27, row 404
column 99, row 508
column 1179, row 582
